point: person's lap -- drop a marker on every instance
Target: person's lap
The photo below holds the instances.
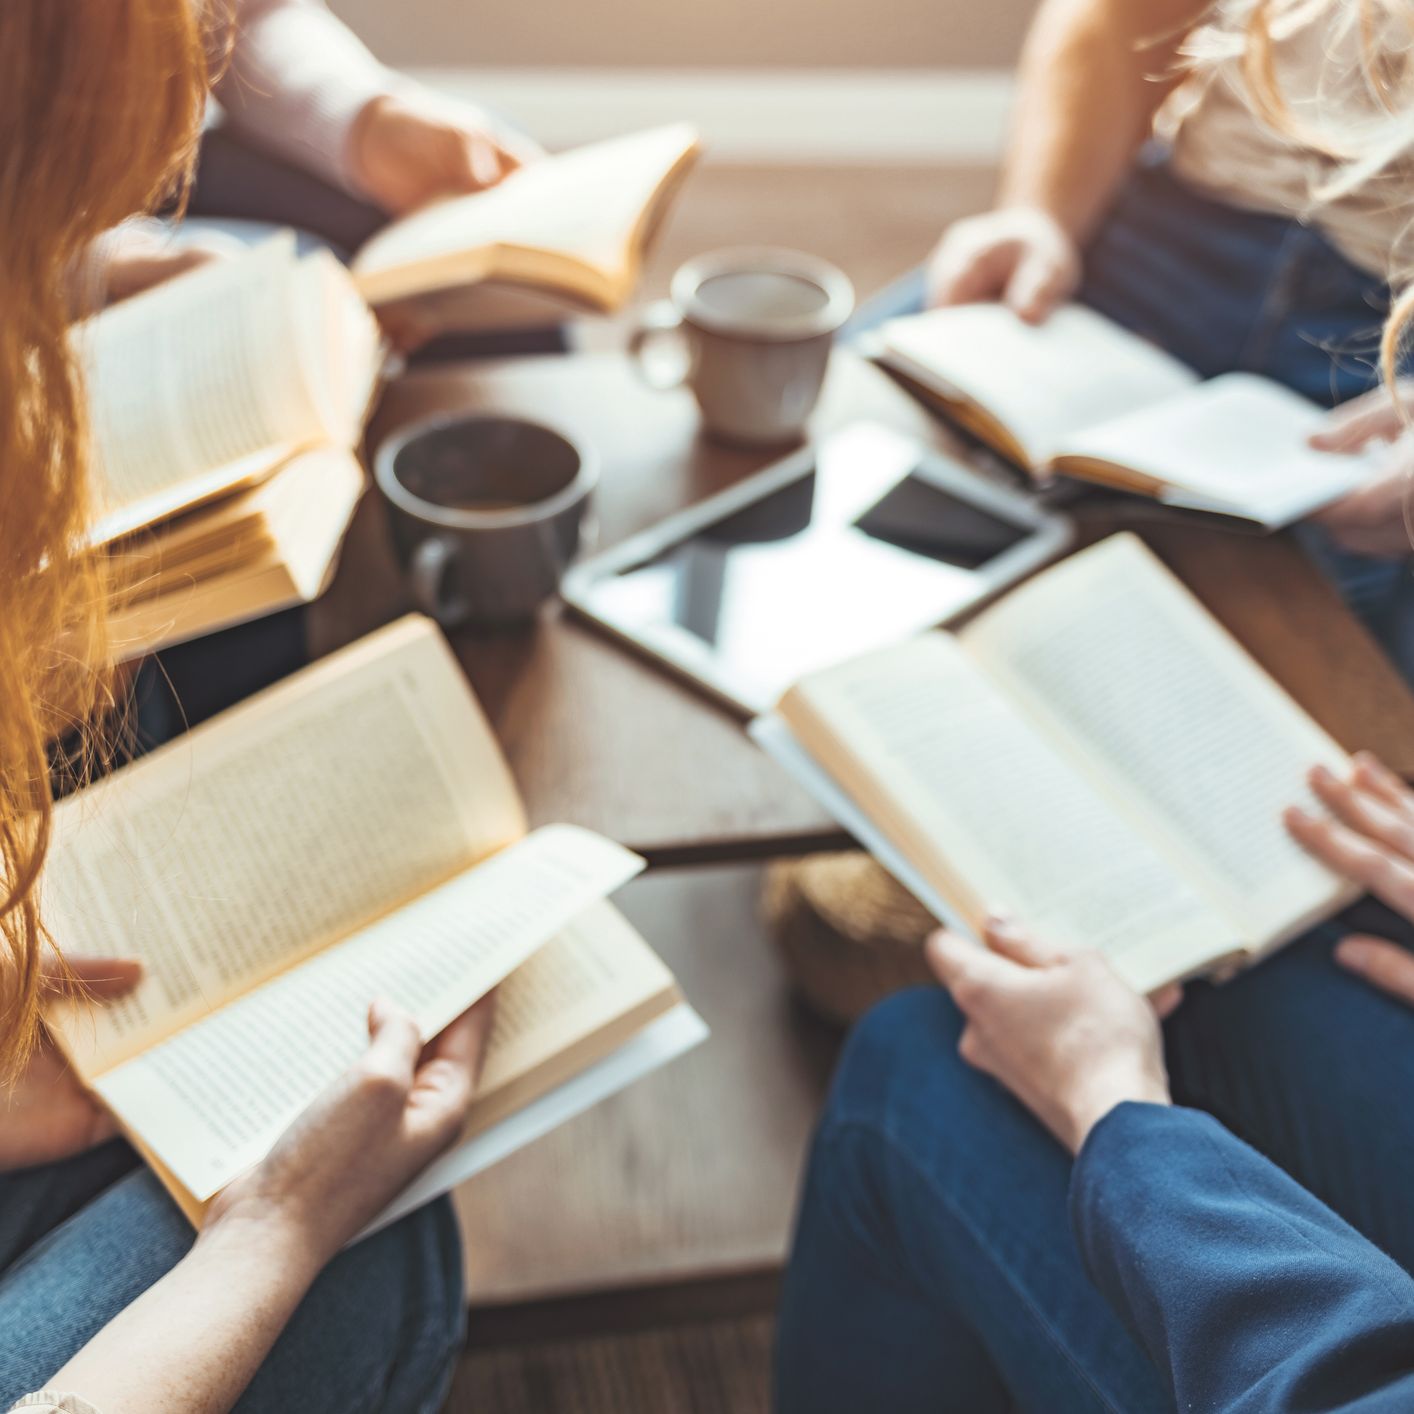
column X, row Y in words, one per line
column 1227, row 291
column 1307, row 1063
column 933, row 1267
column 81, row 1240
column 1223, row 290
column 934, row 1248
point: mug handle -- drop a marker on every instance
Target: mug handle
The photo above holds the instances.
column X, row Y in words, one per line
column 659, row 322
column 428, row 573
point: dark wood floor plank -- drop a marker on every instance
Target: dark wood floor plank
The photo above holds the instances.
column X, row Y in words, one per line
column 715, row 1368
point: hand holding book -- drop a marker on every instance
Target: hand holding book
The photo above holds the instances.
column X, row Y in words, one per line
column 1373, row 519
column 1079, row 396
column 1368, row 837
column 1071, row 1040
column 49, row 1115
column 1063, row 1033
column 367, row 1137
column 351, row 834
column 414, row 147
column 1094, row 755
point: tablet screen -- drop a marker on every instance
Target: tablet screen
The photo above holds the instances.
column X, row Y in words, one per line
column 859, row 552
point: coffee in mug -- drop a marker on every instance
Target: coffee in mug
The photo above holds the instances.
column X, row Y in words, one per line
column 754, row 328
column 486, row 512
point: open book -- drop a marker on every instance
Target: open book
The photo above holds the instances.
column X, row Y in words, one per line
column 1094, row 756
column 1079, row 396
column 225, row 407
column 210, row 382
column 575, row 225
column 351, row 833
column 261, row 550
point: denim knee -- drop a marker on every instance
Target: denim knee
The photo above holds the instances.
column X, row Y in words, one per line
column 907, row 1036
column 380, row 1329
column 911, row 1110
column 436, row 1304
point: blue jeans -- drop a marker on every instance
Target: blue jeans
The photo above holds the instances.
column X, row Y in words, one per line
column 933, row 1267
column 1221, row 289
column 80, row 1240
column 1227, row 290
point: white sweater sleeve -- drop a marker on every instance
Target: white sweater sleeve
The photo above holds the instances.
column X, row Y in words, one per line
column 296, row 79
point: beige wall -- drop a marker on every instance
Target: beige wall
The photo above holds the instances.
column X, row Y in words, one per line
column 671, row 33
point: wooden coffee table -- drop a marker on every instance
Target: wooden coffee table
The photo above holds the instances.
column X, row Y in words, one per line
column 674, row 1198
column 603, row 738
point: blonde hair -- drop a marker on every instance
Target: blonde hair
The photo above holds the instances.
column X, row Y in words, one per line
column 100, row 108
column 1358, row 113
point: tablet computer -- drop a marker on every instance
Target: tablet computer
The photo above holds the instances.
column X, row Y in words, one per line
column 854, row 542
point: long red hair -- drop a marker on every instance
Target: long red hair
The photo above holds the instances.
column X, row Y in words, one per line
column 100, row 110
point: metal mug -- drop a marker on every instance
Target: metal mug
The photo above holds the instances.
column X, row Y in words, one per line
column 487, row 513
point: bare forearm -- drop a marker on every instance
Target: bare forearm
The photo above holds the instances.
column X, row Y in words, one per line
column 1092, row 76
column 191, row 1343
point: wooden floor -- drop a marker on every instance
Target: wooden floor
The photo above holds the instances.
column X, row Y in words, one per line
column 627, row 1262
column 717, row 1367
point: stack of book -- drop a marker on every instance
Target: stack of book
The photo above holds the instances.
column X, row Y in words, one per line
column 227, row 404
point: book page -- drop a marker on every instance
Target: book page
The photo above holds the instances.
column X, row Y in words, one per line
column 341, row 346
column 257, row 552
column 1041, row 382
column 273, row 830
column 590, row 974
column 1133, row 676
column 992, row 813
column 200, row 374
column 673, row 1033
column 1235, row 443
column 212, row 1099
column 587, row 204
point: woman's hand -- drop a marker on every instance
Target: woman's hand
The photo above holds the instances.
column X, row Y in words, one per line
column 1375, row 416
column 1375, row 519
column 1064, row 1034
column 357, row 1147
column 194, row 1339
column 1019, row 254
column 407, row 151
column 1370, row 840
column 49, row 1115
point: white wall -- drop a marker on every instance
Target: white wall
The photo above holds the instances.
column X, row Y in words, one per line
column 617, row 34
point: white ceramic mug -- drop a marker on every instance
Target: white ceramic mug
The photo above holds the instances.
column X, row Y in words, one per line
column 753, row 329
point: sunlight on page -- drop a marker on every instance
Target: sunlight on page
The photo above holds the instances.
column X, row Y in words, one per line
column 974, row 784
column 213, row 1099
